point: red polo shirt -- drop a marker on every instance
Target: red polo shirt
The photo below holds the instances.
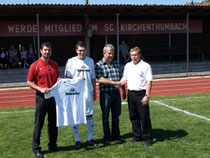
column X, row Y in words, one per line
column 43, row 74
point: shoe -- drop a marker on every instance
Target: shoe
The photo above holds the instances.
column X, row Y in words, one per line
column 119, row 138
column 107, row 140
column 54, row 149
column 38, row 154
column 134, row 140
column 77, row 145
column 148, row 143
column 92, row 143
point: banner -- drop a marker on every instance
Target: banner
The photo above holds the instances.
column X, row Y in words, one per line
column 145, row 27
column 98, row 27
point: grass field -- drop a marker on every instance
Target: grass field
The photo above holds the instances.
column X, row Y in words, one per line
column 176, row 134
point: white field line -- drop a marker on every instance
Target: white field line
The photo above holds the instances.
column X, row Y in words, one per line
column 187, row 98
column 99, row 106
column 123, row 103
column 12, row 112
column 180, row 110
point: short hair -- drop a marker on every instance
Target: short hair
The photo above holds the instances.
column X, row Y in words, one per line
column 108, row 47
column 137, row 49
column 80, row 44
column 47, row 44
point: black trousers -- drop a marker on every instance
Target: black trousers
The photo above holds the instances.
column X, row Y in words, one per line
column 139, row 116
column 110, row 101
column 44, row 106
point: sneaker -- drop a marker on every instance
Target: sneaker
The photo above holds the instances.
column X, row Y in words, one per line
column 92, row 143
column 77, row 145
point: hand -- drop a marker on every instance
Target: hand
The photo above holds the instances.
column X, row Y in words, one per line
column 145, row 101
column 121, row 84
column 45, row 90
column 59, row 79
column 117, row 85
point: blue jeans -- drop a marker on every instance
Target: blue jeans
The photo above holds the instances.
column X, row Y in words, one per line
column 110, row 100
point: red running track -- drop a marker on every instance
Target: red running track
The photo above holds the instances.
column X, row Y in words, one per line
column 26, row 97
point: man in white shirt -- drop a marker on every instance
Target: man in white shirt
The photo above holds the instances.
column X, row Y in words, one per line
column 138, row 75
column 83, row 66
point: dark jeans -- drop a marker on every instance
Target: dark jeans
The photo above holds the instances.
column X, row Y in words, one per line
column 110, row 100
column 44, row 106
column 139, row 116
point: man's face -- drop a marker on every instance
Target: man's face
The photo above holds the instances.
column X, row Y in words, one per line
column 81, row 52
column 108, row 56
column 135, row 57
column 46, row 52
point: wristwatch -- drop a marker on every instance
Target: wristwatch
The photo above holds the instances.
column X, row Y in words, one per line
column 147, row 95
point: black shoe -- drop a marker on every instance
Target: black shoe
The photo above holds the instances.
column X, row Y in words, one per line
column 54, row 149
column 148, row 143
column 92, row 143
column 107, row 140
column 119, row 138
column 135, row 140
column 77, row 145
column 38, row 154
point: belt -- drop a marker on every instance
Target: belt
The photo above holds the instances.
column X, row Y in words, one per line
column 140, row 91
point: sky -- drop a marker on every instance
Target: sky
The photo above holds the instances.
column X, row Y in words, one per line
column 137, row 2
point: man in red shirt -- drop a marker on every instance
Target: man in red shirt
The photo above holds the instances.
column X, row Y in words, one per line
column 42, row 75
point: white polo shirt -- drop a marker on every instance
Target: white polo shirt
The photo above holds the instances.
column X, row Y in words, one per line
column 137, row 75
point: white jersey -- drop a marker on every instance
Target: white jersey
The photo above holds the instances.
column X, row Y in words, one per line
column 76, row 67
column 70, row 101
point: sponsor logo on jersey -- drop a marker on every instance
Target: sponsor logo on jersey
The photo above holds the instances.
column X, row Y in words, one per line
column 83, row 68
column 72, row 91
